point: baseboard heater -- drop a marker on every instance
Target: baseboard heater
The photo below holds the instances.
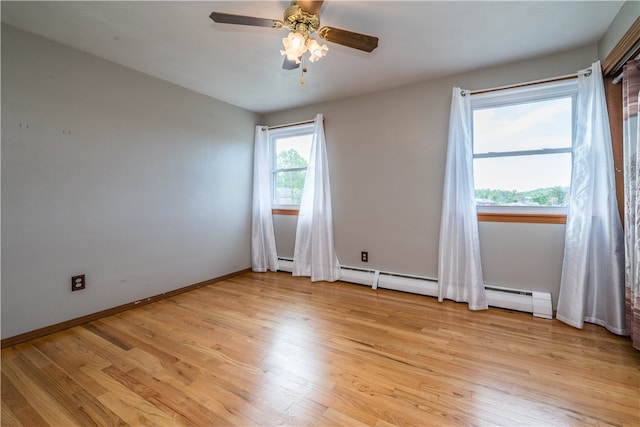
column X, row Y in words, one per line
column 535, row 302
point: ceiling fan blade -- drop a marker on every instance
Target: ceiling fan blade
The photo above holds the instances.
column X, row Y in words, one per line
column 348, row 38
column 226, row 18
column 311, row 6
column 289, row 65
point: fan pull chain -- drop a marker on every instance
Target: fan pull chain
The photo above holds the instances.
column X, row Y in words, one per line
column 303, row 70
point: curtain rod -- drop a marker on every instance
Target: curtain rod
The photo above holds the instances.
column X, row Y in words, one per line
column 531, row 83
column 304, row 122
column 619, row 77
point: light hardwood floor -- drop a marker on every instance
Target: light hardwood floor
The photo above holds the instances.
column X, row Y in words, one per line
column 270, row 349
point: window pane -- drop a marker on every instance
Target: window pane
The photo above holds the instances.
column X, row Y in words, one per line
column 539, row 180
column 293, row 151
column 528, row 126
column 288, row 187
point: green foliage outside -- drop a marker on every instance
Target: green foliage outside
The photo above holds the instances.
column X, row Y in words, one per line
column 289, row 184
column 552, row 196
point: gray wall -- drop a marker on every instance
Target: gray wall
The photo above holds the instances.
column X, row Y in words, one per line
column 620, row 25
column 387, row 154
column 141, row 185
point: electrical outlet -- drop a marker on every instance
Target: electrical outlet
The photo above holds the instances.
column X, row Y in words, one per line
column 78, row 282
column 364, row 256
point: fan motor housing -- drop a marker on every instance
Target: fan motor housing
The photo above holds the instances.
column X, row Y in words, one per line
column 296, row 19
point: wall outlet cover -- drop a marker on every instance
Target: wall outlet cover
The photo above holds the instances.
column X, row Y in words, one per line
column 78, row 282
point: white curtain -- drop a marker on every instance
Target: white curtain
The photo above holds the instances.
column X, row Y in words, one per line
column 592, row 283
column 314, row 252
column 459, row 266
column 263, row 242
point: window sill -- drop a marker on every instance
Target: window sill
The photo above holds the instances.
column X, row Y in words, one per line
column 523, row 218
column 484, row 217
column 275, row 211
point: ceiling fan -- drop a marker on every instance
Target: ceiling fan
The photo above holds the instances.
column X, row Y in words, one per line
column 302, row 20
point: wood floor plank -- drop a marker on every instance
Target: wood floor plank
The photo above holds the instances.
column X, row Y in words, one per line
column 170, row 397
column 9, row 418
column 331, row 417
column 262, row 349
column 39, row 399
column 69, row 358
column 67, row 393
column 125, row 402
column 16, row 410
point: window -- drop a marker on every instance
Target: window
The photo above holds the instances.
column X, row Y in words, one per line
column 291, row 148
column 522, row 148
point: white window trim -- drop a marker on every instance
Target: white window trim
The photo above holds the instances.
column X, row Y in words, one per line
column 290, row 131
column 530, row 93
column 535, row 92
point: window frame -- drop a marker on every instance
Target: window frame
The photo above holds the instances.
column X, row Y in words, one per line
column 274, row 135
column 514, row 96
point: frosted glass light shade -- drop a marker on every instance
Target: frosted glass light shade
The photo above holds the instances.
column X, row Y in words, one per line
column 315, row 50
column 294, row 46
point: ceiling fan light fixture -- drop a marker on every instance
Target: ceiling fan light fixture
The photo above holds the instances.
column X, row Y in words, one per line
column 294, row 46
column 302, row 20
column 315, row 50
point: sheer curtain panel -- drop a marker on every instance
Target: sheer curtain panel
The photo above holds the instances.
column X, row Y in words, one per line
column 314, row 254
column 592, row 282
column 459, row 266
column 631, row 145
column 263, row 243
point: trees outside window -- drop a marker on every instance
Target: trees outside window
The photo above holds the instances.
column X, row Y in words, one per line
column 291, row 170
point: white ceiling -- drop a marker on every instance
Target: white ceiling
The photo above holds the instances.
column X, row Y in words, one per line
column 176, row 41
